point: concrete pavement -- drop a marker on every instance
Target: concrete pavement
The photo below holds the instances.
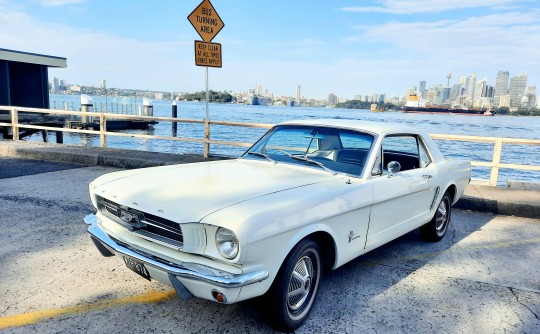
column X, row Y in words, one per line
column 511, row 202
column 481, row 278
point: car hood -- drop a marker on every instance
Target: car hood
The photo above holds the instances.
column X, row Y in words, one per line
column 189, row 192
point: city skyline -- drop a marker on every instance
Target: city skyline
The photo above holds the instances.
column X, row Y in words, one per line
column 345, row 48
column 506, row 91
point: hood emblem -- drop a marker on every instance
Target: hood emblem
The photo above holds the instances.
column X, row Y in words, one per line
column 128, row 217
column 131, row 218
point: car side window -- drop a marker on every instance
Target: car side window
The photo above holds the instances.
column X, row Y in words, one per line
column 407, row 149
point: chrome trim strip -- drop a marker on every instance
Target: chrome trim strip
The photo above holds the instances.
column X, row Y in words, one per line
column 166, row 228
column 158, row 239
column 231, row 281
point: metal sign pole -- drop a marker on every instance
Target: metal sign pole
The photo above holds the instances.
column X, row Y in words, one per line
column 207, row 124
column 207, row 93
column 207, row 23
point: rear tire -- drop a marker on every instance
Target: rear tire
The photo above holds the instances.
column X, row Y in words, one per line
column 437, row 227
column 293, row 292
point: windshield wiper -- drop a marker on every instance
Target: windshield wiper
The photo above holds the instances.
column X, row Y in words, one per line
column 320, row 164
column 258, row 154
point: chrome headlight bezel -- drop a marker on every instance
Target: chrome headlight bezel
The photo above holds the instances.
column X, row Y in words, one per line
column 227, row 243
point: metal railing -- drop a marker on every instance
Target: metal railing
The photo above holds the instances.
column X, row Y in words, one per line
column 495, row 164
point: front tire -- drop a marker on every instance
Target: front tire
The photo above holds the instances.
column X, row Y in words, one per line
column 293, row 292
column 437, row 227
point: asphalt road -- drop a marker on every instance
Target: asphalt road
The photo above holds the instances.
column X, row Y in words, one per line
column 483, row 277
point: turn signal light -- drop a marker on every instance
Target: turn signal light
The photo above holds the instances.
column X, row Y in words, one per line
column 219, row 297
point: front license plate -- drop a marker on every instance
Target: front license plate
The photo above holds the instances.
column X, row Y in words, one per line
column 137, row 267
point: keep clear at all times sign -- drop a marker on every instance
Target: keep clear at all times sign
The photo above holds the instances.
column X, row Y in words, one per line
column 208, row 24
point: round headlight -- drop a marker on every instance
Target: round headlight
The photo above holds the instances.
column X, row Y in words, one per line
column 227, row 243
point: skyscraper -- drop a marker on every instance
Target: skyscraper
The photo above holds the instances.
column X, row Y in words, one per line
column 103, row 84
column 298, row 94
column 56, row 84
column 332, row 99
column 469, row 82
column 455, row 92
column 422, row 90
column 480, row 89
column 501, row 86
column 443, row 95
column 517, row 89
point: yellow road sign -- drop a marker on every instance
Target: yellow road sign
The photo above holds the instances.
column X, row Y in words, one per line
column 207, row 54
column 206, row 21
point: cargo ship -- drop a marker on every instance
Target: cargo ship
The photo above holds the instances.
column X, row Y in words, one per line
column 414, row 105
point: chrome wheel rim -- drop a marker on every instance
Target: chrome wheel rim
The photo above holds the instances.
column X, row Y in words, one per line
column 302, row 279
column 442, row 216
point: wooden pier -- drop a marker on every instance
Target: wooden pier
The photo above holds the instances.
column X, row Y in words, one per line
column 65, row 122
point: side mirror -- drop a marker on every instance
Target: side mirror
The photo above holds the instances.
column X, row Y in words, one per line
column 393, row 167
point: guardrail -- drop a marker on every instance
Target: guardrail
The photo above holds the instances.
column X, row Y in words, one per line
column 495, row 163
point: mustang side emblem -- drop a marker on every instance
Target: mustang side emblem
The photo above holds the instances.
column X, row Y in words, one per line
column 352, row 236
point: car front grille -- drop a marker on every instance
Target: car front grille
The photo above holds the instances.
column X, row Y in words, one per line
column 148, row 226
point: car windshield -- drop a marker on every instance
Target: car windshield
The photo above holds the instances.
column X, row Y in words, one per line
column 336, row 150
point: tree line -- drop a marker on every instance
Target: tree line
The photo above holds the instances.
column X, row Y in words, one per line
column 357, row 104
column 213, row 96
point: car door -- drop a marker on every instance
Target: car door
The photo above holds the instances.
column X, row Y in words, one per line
column 402, row 201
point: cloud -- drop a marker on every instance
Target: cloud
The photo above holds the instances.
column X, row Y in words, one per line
column 507, row 34
column 422, row 6
column 95, row 55
column 482, row 44
column 58, row 3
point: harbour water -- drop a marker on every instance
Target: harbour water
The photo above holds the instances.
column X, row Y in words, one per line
column 498, row 126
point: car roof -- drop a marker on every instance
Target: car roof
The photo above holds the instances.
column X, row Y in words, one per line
column 380, row 128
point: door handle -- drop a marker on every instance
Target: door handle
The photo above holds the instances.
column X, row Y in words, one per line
column 427, row 176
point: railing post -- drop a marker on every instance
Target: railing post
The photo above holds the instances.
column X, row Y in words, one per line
column 15, row 123
column 174, row 114
column 102, row 129
column 206, row 138
column 497, row 151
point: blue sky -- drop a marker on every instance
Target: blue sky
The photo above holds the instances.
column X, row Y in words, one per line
column 343, row 46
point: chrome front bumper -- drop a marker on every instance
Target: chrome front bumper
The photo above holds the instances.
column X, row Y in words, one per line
column 228, row 280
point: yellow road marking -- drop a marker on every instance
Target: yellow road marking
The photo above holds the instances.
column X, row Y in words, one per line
column 33, row 317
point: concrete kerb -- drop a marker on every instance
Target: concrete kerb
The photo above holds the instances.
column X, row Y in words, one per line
column 110, row 157
column 501, row 201
column 521, row 203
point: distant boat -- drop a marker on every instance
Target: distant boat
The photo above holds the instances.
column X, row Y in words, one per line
column 257, row 100
column 414, row 105
column 375, row 108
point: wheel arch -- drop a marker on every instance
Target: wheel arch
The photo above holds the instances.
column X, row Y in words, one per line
column 327, row 243
column 451, row 190
column 328, row 248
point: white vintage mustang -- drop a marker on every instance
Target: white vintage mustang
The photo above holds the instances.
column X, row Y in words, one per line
column 308, row 195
